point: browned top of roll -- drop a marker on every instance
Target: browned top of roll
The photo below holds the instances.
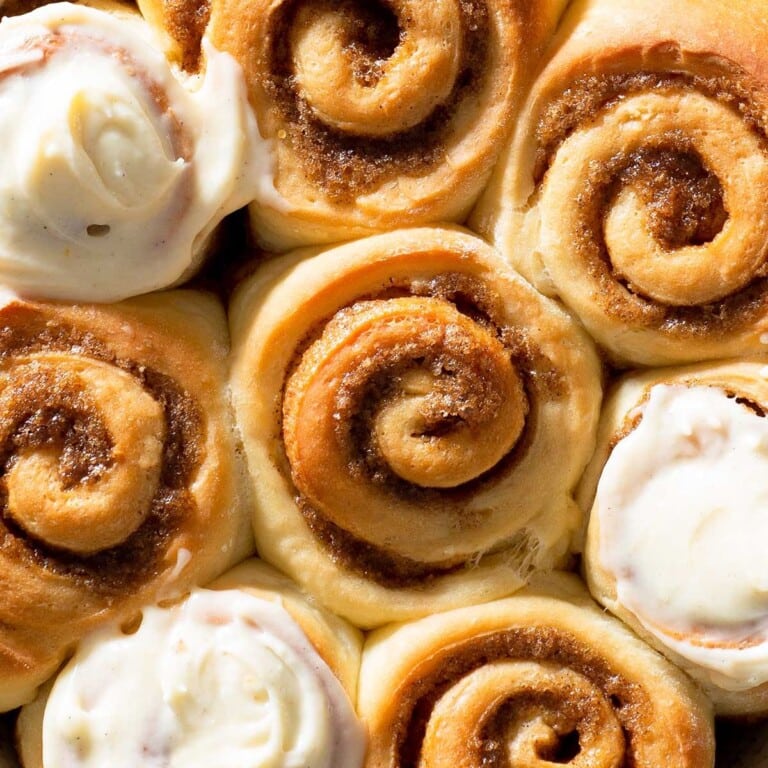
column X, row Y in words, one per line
column 118, row 473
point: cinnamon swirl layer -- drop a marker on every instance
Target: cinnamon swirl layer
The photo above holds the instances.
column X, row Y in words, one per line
column 120, row 481
column 541, row 678
column 678, row 493
column 245, row 673
column 116, row 169
column 415, row 417
column 635, row 187
column 380, row 114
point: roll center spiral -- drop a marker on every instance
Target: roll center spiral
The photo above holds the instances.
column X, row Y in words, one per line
column 531, row 714
column 683, row 198
column 82, row 451
column 376, row 88
column 412, row 384
column 669, row 176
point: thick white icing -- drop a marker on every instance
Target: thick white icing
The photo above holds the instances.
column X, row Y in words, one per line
column 223, row 679
column 116, row 168
column 682, row 505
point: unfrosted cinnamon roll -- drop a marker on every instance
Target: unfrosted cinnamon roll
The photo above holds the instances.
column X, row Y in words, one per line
column 415, row 417
column 244, row 673
column 636, row 184
column 539, row 679
column 678, row 494
column 116, row 169
column 380, row 114
column 120, row 480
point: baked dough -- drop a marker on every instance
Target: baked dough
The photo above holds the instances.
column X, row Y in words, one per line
column 541, row 678
column 376, row 115
column 122, row 481
column 415, row 417
column 635, row 185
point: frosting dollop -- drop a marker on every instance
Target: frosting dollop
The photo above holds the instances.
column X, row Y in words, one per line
column 116, row 167
column 681, row 504
column 222, row 679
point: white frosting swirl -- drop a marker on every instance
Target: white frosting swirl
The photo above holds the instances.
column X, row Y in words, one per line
column 115, row 170
column 682, row 507
column 224, row 679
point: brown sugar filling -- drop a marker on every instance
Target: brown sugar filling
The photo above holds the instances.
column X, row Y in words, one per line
column 186, row 21
column 684, row 200
column 541, row 382
column 346, row 165
column 589, row 95
column 65, row 421
column 431, row 679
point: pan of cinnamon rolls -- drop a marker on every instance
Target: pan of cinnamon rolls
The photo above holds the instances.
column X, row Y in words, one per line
column 383, row 383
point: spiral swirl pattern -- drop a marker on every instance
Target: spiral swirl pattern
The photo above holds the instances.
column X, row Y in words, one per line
column 643, row 201
column 380, row 114
column 115, row 462
column 399, row 416
column 539, row 679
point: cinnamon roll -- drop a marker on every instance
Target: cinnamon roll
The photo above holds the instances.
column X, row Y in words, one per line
column 635, row 186
column 678, row 493
column 379, row 114
column 244, row 673
column 116, row 169
column 121, row 481
column 541, row 678
column 415, row 417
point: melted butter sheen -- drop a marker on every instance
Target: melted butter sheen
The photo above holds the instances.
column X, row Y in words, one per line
column 224, row 679
column 681, row 504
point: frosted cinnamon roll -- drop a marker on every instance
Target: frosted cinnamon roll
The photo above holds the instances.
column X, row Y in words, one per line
column 116, row 169
column 635, row 186
column 232, row 676
column 415, row 417
column 380, row 114
column 120, row 480
column 539, row 679
column 678, row 493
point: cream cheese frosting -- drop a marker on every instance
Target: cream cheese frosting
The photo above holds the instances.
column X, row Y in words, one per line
column 223, row 679
column 682, row 505
column 116, row 168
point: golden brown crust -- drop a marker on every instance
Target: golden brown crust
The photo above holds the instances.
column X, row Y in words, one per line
column 540, row 677
column 379, row 114
column 634, row 187
column 183, row 24
column 117, row 418
column 415, row 415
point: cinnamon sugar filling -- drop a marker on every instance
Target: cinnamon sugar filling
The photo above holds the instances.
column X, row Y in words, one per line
column 683, row 199
column 430, row 680
column 186, row 21
column 346, row 165
column 44, row 414
column 365, row 392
